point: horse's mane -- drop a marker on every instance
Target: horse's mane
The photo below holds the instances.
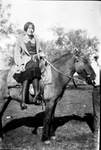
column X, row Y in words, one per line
column 62, row 57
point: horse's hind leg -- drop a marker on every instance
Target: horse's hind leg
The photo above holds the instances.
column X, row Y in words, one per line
column 3, row 106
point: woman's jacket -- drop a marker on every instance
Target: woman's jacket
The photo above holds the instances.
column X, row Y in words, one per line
column 21, row 55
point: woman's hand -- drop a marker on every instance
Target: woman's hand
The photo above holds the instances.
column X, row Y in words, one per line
column 42, row 55
column 22, row 68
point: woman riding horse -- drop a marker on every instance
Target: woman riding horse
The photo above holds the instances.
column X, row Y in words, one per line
column 27, row 57
column 62, row 72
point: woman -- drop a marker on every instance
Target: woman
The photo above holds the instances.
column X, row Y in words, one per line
column 27, row 56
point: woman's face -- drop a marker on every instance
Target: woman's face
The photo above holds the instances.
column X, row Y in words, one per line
column 30, row 30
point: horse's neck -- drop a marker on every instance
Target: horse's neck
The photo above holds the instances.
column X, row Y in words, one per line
column 66, row 65
column 65, row 68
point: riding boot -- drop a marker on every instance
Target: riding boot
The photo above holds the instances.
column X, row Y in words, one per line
column 24, row 94
column 36, row 90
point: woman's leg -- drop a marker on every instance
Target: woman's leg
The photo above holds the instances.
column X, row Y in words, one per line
column 25, row 87
column 36, row 90
column 36, row 86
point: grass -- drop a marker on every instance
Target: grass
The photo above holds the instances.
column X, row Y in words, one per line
column 73, row 123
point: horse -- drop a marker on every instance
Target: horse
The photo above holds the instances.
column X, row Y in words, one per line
column 62, row 72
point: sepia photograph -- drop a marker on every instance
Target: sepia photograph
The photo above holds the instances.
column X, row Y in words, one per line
column 50, row 65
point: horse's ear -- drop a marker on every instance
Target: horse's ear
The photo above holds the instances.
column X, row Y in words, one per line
column 76, row 55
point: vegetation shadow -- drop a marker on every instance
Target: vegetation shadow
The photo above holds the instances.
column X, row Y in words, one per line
column 37, row 121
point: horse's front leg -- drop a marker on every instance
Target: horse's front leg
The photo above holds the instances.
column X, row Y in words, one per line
column 47, row 120
column 52, row 127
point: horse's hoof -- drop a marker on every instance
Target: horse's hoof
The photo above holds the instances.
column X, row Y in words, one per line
column 53, row 137
column 47, row 142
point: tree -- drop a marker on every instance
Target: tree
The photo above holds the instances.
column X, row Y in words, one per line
column 68, row 41
column 8, row 33
column 81, row 41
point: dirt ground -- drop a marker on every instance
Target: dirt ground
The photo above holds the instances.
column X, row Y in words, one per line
column 73, row 123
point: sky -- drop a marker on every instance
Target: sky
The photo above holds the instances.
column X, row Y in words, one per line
column 68, row 14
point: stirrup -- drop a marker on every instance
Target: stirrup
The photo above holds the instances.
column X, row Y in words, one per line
column 37, row 100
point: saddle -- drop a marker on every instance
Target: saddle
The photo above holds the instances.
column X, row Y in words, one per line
column 46, row 77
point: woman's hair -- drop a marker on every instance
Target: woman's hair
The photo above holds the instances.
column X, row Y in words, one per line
column 27, row 25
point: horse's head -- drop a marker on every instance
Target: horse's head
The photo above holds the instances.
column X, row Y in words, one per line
column 84, row 68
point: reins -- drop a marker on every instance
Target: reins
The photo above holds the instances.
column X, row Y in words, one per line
column 60, row 71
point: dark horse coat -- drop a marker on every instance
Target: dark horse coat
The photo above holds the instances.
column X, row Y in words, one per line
column 67, row 64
